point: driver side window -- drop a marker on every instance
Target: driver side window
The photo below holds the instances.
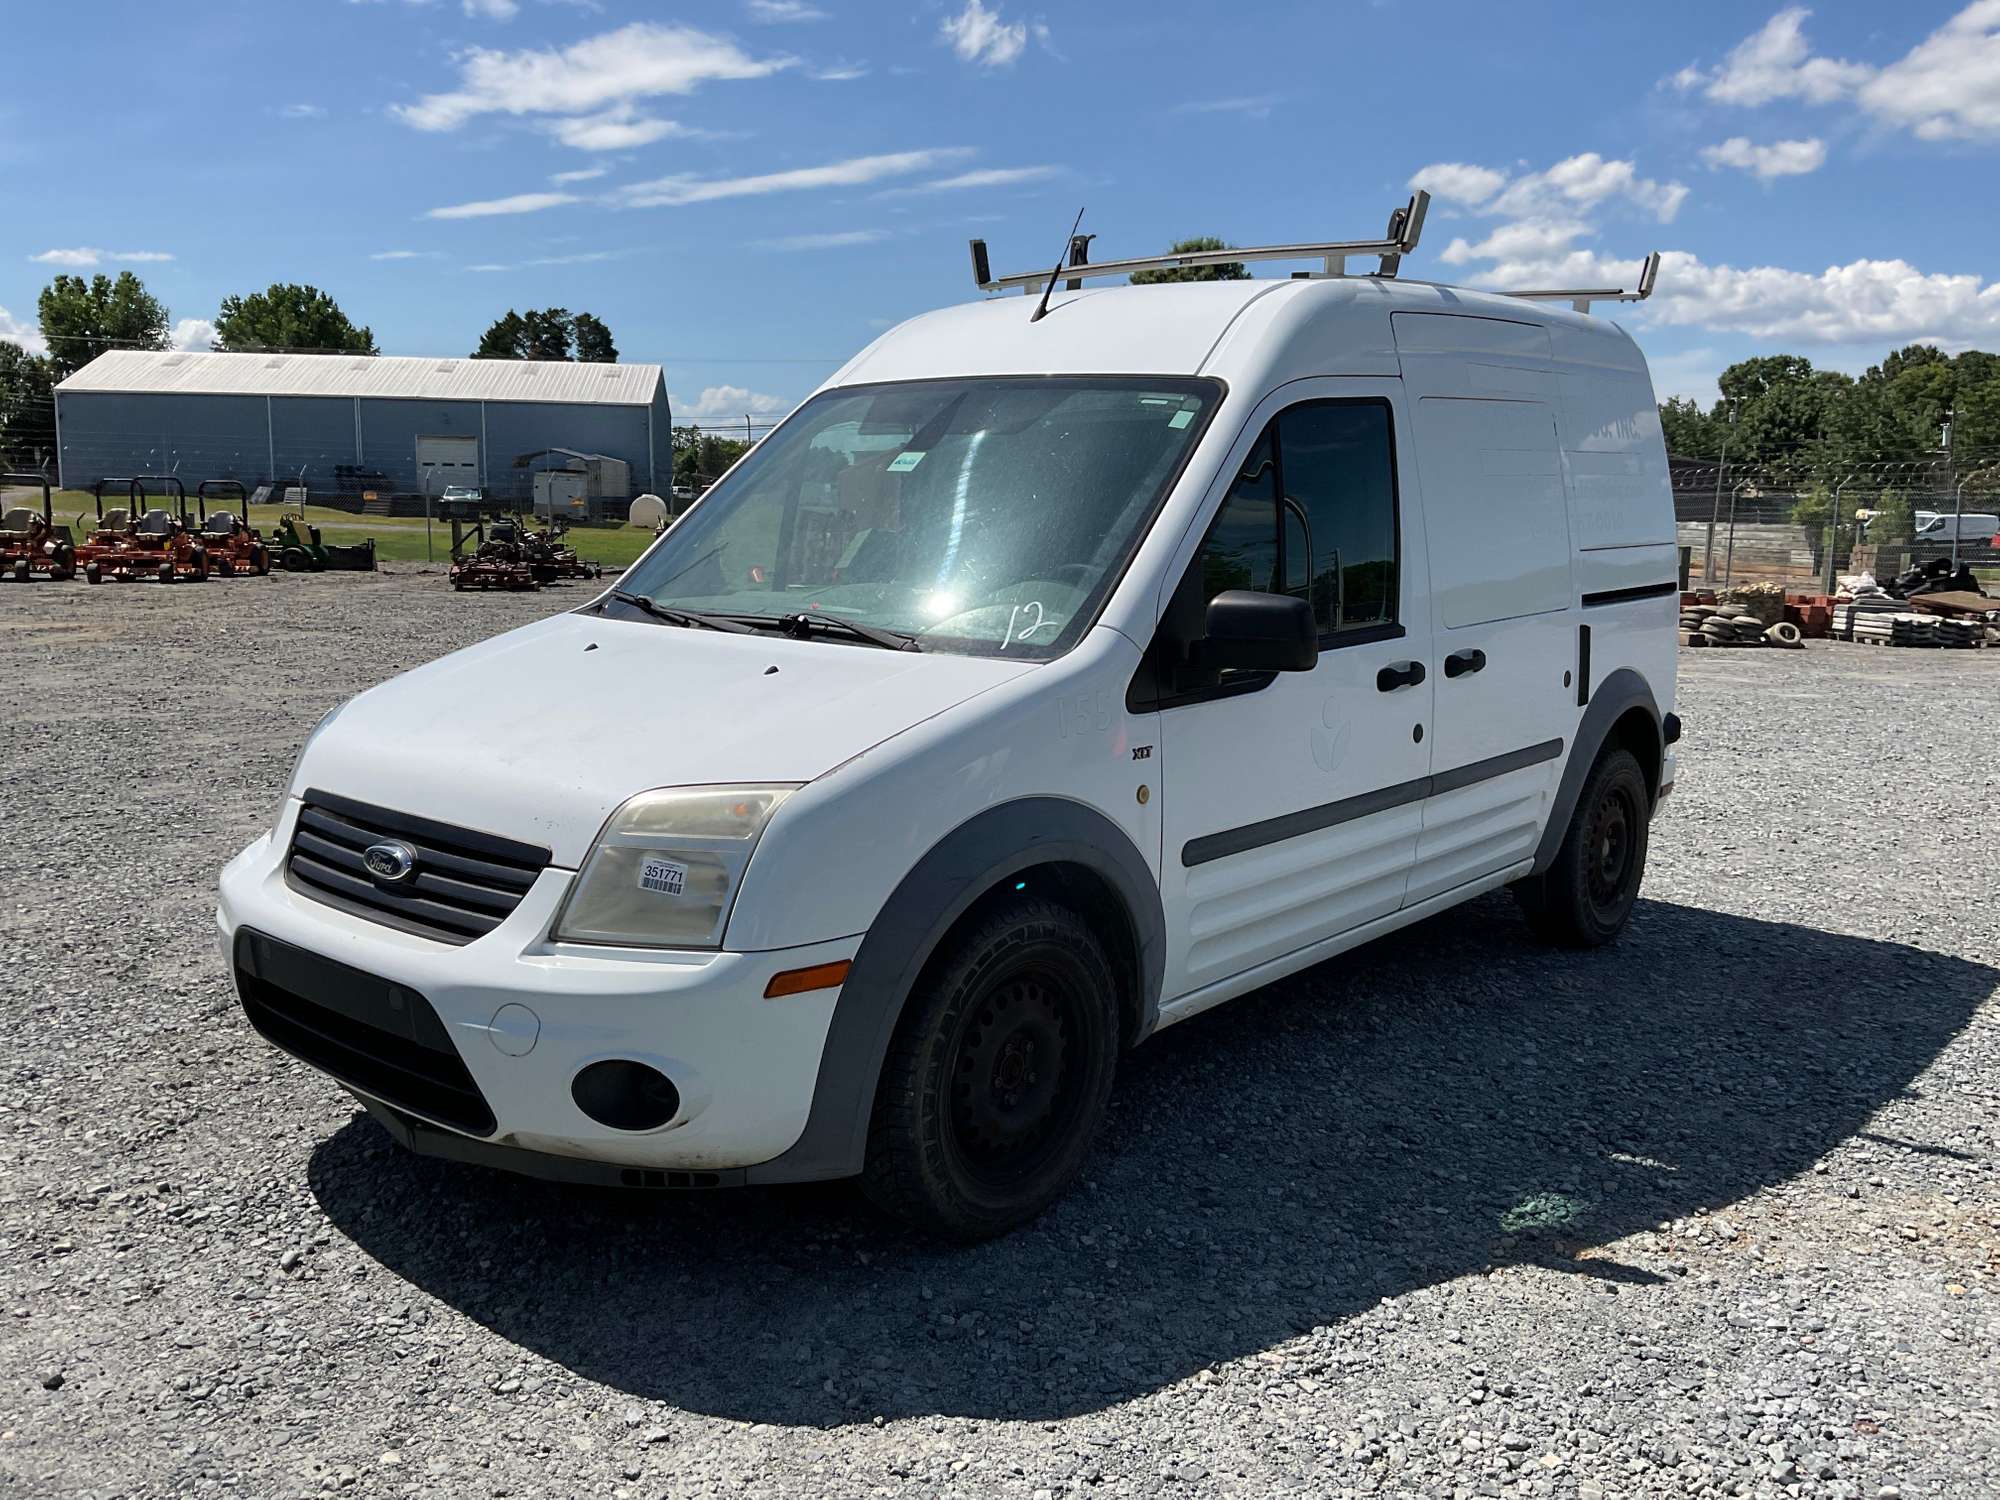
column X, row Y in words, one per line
column 1313, row 514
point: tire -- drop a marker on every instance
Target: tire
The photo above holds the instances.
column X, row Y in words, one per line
column 998, row 1077
column 294, row 560
column 21, row 570
column 166, row 573
column 92, row 573
column 260, row 562
column 1585, row 897
column 200, row 561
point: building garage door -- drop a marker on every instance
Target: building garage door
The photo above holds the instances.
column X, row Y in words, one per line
column 445, row 461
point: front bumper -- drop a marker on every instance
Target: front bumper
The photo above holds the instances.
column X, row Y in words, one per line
column 525, row 1014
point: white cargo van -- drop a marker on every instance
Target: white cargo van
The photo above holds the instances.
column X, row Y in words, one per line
column 1064, row 667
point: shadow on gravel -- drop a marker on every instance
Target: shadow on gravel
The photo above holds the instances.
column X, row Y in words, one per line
column 1444, row 1099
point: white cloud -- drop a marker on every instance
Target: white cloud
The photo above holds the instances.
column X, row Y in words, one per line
column 978, row 35
column 1779, row 159
column 841, row 72
column 492, row 10
column 1458, row 182
column 489, row 267
column 1572, row 184
column 520, row 203
column 1534, row 239
column 1254, row 106
column 722, row 402
column 1864, row 301
column 1776, row 63
column 777, row 12
column 27, row 335
column 581, row 258
column 581, row 174
column 303, row 111
column 1946, row 87
column 193, row 333
column 642, row 60
column 617, row 129
column 404, row 255
column 668, row 192
column 831, row 241
column 984, row 177
column 89, row 255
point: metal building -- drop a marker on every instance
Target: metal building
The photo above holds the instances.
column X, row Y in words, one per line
column 344, row 423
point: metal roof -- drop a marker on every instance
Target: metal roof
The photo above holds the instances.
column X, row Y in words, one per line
column 207, row 374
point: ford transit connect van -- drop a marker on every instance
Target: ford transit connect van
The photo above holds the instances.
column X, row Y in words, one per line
column 1042, row 681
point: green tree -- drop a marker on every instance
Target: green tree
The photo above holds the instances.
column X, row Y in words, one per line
column 1690, row 431
column 1233, row 270
column 504, row 339
column 1894, row 521
column 547, row 333
column 593, row 341
column 81, row 319
column 289, row 316
column 27, row 405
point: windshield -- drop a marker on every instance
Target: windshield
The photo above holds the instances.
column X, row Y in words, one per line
column 989, row 516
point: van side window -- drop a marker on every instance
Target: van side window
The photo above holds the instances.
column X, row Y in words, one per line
column 1242, row 547
column 1313, row 514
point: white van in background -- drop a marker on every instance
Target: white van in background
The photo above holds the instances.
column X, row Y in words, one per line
column 1944, row 526
column 1066, row 666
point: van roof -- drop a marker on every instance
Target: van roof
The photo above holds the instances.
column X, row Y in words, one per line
column 1261, row 328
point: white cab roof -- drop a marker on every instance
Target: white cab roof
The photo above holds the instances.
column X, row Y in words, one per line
column 1261, row 331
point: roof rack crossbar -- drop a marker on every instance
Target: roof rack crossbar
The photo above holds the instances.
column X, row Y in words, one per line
column 1580, row 300
column 1405, row 225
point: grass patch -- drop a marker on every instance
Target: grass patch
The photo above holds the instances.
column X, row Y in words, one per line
column 398, row 539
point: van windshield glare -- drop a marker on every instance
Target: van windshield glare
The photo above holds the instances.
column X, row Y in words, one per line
column 989, row 516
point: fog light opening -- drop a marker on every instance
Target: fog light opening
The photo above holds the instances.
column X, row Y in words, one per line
column 625, row 1095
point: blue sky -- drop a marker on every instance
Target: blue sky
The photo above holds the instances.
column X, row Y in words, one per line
column 749, row 190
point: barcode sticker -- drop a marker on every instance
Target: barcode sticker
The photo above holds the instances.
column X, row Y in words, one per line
column 663, row 876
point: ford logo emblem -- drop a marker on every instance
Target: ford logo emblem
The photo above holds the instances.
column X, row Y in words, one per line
column 390, row 861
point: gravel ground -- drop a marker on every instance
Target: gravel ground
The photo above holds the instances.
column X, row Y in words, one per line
column 1712, row 1211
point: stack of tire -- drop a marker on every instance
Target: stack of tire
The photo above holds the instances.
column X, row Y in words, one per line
column 1722, row 624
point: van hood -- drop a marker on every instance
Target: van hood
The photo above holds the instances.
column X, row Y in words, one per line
column 540, row 734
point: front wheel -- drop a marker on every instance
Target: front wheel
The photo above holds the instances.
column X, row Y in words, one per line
column 1585, row 897
column 998, row 1077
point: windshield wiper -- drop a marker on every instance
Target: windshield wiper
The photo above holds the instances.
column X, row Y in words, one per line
column 801, row 625
column 672, row 616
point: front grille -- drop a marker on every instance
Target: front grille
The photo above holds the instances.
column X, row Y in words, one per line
column 383, row 1038
column 465, row 882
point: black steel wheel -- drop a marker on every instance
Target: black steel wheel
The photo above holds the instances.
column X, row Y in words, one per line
column 999, row 1075
column 1585, row 897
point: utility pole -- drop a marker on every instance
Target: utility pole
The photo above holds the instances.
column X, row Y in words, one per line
column 1950, row 478
column 746, row 430
column 1715, row 507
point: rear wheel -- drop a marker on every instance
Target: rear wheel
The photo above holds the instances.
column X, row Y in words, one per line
column 998, row 1077
column 260, row 561
column 294, row 560
column 1585, row 897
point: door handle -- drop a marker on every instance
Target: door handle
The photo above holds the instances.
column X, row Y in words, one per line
column 1464, row 663
column 1402, row 675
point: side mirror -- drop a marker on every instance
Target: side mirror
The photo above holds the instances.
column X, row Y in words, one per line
column 1256, row 632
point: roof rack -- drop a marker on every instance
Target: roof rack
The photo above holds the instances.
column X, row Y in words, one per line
column 1405, row 225
column 1580, row 301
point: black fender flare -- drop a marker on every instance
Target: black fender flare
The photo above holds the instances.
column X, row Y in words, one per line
column 1610, row 700
column 958, row 869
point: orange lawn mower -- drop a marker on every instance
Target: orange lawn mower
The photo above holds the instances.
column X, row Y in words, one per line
column 31, row 545
column 136, row 542
column 234, row 546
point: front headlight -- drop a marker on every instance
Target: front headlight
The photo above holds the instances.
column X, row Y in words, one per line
column 665, row 870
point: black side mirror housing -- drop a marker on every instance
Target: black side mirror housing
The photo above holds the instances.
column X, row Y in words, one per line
column 1253, row 632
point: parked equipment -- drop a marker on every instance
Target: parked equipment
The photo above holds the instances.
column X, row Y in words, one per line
column 141, row 542
column 552, row 558
column 31, row 545
column 234, row 546
column 296, row 543
column 496, row 561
